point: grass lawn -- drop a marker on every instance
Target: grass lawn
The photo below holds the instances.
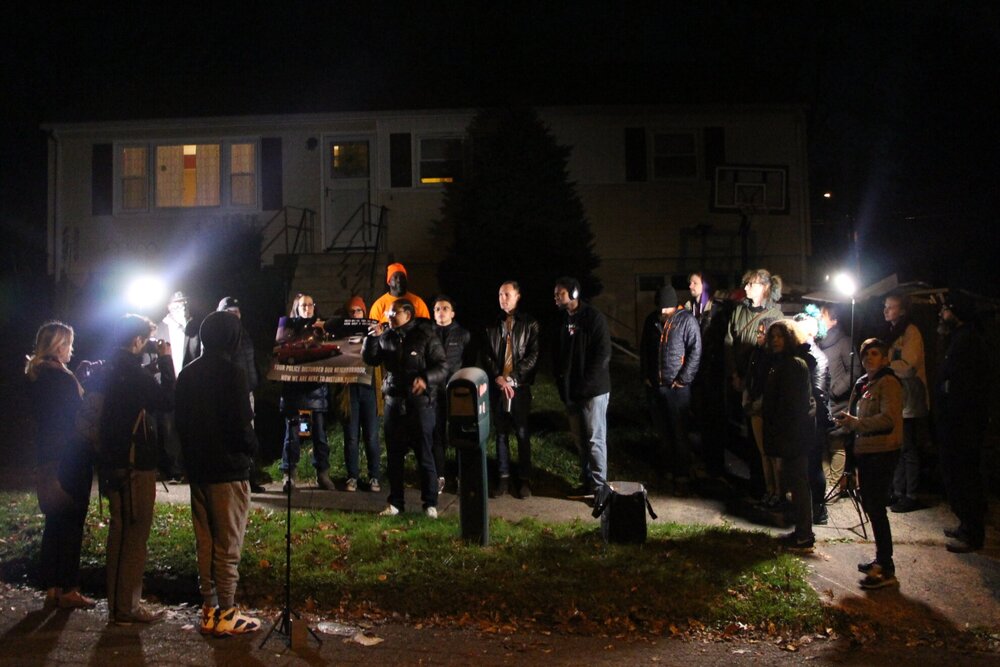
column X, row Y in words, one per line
column 534, row 574
column 549, row 576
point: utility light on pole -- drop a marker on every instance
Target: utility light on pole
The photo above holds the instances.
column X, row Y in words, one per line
column 845, row 285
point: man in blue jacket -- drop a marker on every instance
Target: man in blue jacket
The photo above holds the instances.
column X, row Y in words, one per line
column 214, row 423
column 670, row 356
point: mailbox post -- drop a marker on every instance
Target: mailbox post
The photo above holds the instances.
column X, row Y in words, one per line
column 468, row 429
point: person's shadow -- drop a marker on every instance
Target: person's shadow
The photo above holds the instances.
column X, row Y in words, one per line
column 36, row 634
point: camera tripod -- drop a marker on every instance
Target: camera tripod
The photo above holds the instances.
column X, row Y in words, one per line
column 848, row 484
column 283, row 623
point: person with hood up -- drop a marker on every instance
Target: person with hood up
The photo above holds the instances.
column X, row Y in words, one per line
column 214, row 423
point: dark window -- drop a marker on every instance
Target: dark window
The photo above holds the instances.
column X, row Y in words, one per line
column 440, row 160
column 674, row 155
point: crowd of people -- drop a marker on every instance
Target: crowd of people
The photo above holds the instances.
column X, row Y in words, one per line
column 717, row 366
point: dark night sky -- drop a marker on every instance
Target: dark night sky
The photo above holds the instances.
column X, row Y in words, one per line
column 899, row 94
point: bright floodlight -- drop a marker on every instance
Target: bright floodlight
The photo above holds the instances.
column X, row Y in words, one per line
column 844, row 283
column 145, row 292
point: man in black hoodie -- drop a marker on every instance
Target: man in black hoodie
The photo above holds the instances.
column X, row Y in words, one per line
column 214, row 422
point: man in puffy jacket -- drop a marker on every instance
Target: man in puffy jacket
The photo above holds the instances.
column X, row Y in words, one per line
column 215, row 426
column 670, row 356
column 416, row 366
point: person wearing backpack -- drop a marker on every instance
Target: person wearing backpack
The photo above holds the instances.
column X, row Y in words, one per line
column 127, row 458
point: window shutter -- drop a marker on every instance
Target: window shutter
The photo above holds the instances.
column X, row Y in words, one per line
column 102, row 185
column 715, row 150
column 635, row 154
column 400, row 160
column 271, row 174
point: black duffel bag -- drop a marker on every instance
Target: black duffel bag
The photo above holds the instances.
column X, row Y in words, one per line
column 622, row 508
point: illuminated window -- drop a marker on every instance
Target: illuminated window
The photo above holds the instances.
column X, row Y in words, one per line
column 675, row 155
column 440, row 160
column 134, row 178
column 349, row 159
column 243, row 175
column 188, row 175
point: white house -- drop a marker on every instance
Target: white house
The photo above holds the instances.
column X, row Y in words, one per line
column 666, row 189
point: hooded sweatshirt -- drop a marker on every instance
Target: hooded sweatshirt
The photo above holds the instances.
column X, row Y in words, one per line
column 212, row 407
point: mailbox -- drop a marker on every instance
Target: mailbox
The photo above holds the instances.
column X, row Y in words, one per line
column 468, row 430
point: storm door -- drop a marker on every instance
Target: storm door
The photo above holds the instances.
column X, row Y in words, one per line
column 347, row 213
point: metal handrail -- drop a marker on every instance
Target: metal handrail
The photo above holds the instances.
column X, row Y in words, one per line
column 303, row 230
column 365, row 229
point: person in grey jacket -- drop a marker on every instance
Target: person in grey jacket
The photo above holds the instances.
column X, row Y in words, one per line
column 836, row 345
column 670, row 354
column 875, row 416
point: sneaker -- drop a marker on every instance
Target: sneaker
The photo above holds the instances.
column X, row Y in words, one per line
column 233, row 622
column 431, row 512
column 794, row 543
column 879, row 577
column 352, row 485
column 820, row 516
column 287, row 483
column 865, row 568
column 374, row 486
column 140, row 615
column 440, row 485
column 76, row 600
column 906, row 504
column 257, row 488
column 962, row 546
column 209, row 619
column 390, row 510
column 323, row 481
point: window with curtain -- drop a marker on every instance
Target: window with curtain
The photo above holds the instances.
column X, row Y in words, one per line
column 188, row 175
column 134, row 178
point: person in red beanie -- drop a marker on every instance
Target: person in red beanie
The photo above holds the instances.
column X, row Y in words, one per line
column 395, row 278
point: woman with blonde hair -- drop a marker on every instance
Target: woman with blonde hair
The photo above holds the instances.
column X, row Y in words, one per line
column 65, row 472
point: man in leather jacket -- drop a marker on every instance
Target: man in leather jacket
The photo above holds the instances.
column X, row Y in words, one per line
column 510, row 358
column 415, row 365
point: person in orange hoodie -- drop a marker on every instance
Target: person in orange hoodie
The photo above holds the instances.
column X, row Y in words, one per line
column 395, row 278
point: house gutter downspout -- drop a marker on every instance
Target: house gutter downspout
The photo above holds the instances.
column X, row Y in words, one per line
column 55, row 260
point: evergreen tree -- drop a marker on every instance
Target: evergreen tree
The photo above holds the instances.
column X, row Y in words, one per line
column 515, row 215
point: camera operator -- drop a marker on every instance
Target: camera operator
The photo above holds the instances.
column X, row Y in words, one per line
column 416, row 365
column 128, row 462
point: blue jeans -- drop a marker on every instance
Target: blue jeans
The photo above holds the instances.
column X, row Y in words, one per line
column 588, row 422
column 293, row 444
column 363, row 417
column 409, row 423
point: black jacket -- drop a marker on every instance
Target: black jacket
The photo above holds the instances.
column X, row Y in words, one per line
column 128, row 389
column 297, row 396
column 819, row 379
column 788, row 426
column 407, row 353
column 680, row 358
column 212, row 407
column 582, row 363
column 525, row 348
column 455, row 340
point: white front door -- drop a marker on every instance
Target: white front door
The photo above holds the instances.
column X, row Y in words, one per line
column 347, row 192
